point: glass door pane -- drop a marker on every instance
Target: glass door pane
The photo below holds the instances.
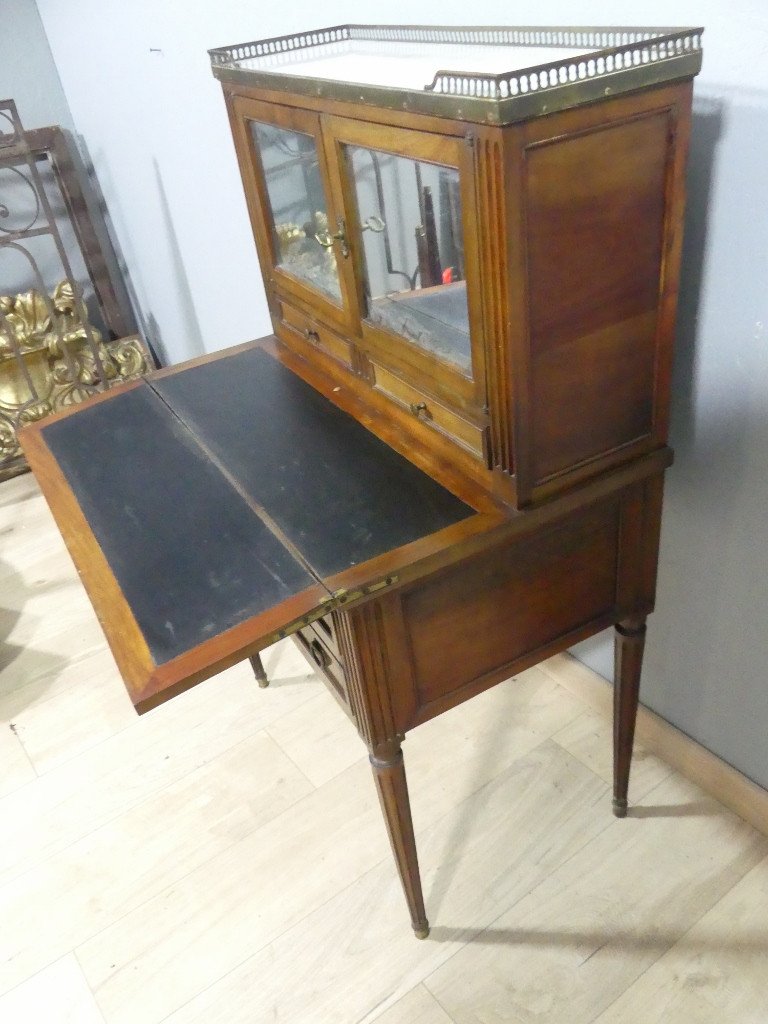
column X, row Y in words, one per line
column 301, row 234
column 413, row 245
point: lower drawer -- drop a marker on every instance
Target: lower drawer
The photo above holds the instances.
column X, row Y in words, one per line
column 470, row 436
column 329, row 668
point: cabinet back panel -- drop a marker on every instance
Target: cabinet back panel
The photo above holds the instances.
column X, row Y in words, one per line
column 595, row 207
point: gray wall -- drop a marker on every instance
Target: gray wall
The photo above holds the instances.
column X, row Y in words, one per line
column 706, row 666
column 153, row 120
column 28, row 74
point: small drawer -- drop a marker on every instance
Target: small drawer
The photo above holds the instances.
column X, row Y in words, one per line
column 321, row 658
column 324, row 630
column 316, row 334
column 468, row 435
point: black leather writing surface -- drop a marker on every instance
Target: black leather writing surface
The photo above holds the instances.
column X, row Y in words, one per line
column 340, row 494
column 191, row 557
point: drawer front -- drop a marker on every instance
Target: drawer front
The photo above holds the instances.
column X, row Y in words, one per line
column 325, row 632
column 316, row 334
column 323, row 660
column 468, row 435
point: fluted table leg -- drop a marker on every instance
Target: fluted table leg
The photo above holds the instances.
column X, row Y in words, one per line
column 389, row 774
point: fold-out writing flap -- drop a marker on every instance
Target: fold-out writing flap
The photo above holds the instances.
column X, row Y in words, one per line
column 205, row 508
column 337, row 492
column 185, row 577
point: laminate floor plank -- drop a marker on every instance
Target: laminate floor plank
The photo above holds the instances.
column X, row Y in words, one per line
column 39, row 580
column 716, row 972
column 96, row 881
column 15, row 492
column 94, row 707
column 35, row 663
column 357, row 952
column 27, row 696
column 319, row 738
column 577, row 941
column 416, row 1007
column 43, row 818
column 15, row 767
column 56, row 995
column 590, row 739
column 239, row 902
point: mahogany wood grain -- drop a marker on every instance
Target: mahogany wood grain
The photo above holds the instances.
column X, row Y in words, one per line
column 603, row 192
column 493, row 609
column 594, row 266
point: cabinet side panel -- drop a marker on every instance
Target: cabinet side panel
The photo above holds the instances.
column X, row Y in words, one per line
column 595, row 210
column 494, row 610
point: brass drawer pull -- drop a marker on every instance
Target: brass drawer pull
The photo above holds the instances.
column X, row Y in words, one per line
column 319, row 656
column 419, row 408
column 312, row 335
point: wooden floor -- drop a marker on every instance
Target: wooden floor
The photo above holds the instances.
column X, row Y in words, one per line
column 223, row 859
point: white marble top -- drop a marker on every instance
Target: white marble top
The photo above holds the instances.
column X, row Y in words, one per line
column 404, row 65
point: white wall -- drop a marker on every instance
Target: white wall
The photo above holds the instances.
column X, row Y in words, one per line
column 27, row 72
column 139, row 86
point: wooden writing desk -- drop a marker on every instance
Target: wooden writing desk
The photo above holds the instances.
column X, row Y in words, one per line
column 432, row 477
column 202, row 536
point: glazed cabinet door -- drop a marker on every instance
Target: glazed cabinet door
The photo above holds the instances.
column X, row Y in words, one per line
column 299, row 229
column 408, row 202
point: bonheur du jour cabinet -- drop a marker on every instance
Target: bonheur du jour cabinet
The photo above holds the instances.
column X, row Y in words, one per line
column 447, row 462
column 492, row 256
column 490, row 259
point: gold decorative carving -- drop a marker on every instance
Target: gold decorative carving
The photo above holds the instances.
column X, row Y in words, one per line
column 302, row 252
column 51, row 357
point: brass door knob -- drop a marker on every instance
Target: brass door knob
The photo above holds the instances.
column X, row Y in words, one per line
column 311, row 335
column 326, row 239
column 419, row 408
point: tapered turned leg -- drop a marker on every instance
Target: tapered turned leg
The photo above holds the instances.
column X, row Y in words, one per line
column 628, row 661
column 389, row 773
column 258, row 670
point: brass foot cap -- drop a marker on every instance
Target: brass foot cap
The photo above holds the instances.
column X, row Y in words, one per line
column 421, row 933
column 263, row 683
column 620, row 808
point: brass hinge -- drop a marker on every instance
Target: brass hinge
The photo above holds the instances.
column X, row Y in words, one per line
column 329, row 604
column 345, row 596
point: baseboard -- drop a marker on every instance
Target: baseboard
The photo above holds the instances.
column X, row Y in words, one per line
column 718, row 778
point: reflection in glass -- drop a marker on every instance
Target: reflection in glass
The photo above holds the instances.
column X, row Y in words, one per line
column 410, row 215
column 297, row 202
